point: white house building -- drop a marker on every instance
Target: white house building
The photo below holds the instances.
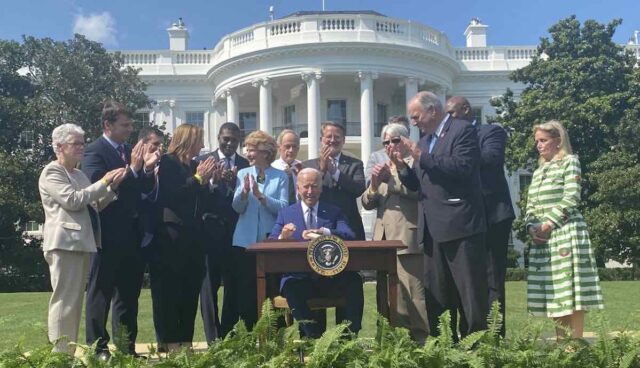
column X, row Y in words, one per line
column 357, row 67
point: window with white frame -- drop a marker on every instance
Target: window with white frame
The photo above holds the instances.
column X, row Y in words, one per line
column 195, row 118
column 337, row 111
column 476, row 113
column 141, row 118
column 290, row 118
column 524, row 181
column 381, row 119
column 248, row 122
column 27, row 138
column 32, row 226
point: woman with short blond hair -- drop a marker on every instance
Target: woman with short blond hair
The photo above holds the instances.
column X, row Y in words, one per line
column 562, row 280
column 261, row 191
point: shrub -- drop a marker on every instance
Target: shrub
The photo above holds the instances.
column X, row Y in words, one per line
column 270, row 347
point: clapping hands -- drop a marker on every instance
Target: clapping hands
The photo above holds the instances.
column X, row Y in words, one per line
column 206, row 169
column 380, row 174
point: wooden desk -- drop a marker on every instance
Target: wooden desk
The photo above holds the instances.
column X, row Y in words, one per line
column 288, row 256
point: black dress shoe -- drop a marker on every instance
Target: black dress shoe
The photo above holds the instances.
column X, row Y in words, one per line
column 103, row 355
column 138, row 356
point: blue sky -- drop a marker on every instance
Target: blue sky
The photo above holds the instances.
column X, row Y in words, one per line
column 141, row 24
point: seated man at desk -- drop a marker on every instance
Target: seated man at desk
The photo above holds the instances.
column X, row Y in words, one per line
column 304, row 220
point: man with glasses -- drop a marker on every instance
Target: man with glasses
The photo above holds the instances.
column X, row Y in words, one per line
column 288, row 148
column 343, row 176
column 452, row 223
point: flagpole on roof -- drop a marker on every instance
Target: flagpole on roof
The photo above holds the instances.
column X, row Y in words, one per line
column 322, row 5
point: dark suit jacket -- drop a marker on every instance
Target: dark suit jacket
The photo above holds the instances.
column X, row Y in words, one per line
column 180, row 192
column 495, row 190
column 346, row 191
column 117, row 219
column 449, row 181
column 329, row 216
column 219, row 217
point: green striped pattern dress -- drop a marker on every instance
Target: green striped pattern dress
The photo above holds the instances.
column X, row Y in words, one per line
column 562, row 275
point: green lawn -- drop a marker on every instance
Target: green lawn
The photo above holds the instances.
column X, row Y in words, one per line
column 23, row 316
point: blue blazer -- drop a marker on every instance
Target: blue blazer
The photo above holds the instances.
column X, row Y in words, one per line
column 255, row 220
column 329, row 217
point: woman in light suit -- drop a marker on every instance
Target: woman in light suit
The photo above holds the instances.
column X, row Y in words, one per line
column 261, row 191
column 397, row 218
column 71, row 230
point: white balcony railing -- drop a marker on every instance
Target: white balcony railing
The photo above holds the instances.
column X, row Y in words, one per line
column 318, row 28
column 336, row 28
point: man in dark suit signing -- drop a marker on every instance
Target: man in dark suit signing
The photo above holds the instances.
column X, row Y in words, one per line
column 116, row 269
column 219, row 223
column 452, row 225
column 303, row 220
column 497, row 200
column 343, row 176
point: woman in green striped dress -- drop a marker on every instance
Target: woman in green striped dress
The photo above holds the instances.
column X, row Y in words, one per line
column 563, row 280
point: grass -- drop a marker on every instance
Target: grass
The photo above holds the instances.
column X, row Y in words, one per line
column 23, row 316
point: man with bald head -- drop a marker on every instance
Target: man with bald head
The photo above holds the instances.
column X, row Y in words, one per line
column 452, row 222
column 305, row 220
column 495, row 193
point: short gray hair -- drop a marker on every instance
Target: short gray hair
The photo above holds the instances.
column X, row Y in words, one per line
column 62, row 133
column 311, row 170
column 428, row 100
column 285, row 132
column 394, row 130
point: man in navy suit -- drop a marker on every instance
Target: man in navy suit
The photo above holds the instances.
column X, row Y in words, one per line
column 302, row 221
column 117, row 268
column 447, row 174
column 219, row 223
column 497, row 200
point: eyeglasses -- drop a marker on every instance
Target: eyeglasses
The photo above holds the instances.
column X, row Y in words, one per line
column 75, row 144
column 395, row 140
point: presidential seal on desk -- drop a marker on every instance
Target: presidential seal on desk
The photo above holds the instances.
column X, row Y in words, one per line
column 327, row 255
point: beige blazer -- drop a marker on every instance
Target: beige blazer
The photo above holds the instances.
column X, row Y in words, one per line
column 65, row 196
column 397, row 217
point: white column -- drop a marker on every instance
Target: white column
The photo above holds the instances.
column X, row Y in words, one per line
column 367, row 113
column 266, row 101
column 410, row 90
column 233, row 108
column 172, row 113
column 442, row 94
column 313, row 112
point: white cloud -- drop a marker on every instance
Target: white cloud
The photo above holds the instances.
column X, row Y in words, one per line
column 96, row 27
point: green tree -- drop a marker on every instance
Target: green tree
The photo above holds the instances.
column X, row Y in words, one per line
column 44, row 83
column 584, row 79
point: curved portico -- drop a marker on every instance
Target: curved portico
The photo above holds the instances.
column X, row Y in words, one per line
column 356, row 67
column 360, row 84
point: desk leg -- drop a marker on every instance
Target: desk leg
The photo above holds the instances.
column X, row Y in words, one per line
column 261, row 293
column 393, row 289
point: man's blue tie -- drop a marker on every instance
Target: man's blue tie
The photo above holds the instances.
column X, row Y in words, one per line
column 432, row 142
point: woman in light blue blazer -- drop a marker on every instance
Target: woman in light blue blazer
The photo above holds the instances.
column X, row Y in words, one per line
column 261, row 191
